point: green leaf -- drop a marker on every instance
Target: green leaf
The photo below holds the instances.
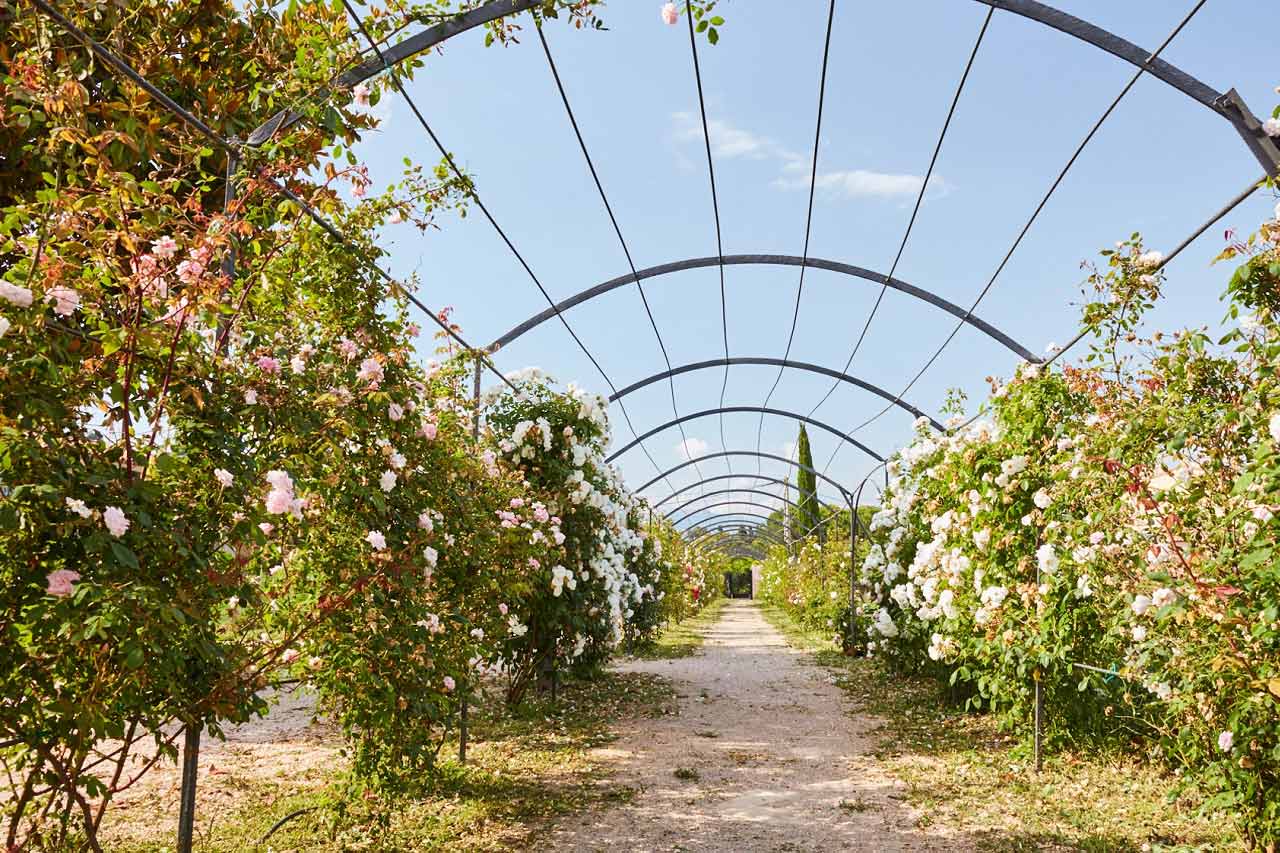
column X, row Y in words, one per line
column 713, row 36
column 133, row 658
column 124, row 556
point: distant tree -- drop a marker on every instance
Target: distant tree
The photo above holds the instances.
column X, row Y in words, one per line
column 808, row 513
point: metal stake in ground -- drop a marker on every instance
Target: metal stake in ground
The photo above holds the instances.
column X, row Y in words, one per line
column 475, row 438
column 191, row 740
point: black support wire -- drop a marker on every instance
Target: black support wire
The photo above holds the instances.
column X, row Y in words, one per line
column 595, row 176
column 1235, row 202
column 715, row 209
column 1142, row 69
column 915, row 211
column 808, row 217
column 235, row 150
column 475, row 197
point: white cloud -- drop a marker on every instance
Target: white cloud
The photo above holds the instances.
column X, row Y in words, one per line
column 788, row 449
column 862, row 183
column 730, row 142
column 691, row 448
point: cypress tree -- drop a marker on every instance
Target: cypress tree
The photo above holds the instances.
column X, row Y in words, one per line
column 808, row 513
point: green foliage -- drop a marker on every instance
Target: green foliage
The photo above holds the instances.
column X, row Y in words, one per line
column 808, row 513
column 1107, row 532
column 222, row 460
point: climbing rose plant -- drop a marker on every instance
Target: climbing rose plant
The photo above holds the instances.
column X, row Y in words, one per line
column 223, row 461
column 1107, row 529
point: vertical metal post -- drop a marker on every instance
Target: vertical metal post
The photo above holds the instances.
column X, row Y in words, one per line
column 853, row 553
column 187, row 803
column 1039, row 724
column 1039, row 700
column 229, row 261
column 475, row 438
column 191, row 738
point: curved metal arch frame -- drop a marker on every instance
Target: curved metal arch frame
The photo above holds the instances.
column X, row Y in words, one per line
column 710, row 543
column 752, row 503
column 706, row 480
column 694, row 500
column 768, row 260
column 777, row 362
column 764, row 410
column 1229, row 105
column 760, row 533
column 759, row 454
column 739, row 517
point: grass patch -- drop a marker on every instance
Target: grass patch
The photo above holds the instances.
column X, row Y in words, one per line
column 687, row 774
column 962, row 773
column 685, row 638
column 524, row 768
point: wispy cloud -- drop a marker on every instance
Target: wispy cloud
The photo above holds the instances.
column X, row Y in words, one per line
column 862, row 183
column 730, row 142
column 691, row 448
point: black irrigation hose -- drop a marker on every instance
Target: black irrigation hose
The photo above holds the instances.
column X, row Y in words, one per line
column 475, row 197
column 234, row 150
column 282, row 821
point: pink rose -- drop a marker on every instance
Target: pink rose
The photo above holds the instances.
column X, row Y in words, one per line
column 190, row 271
column 278, row 502
column 670, row 16
column 449, row 684
column 165, row 247
column 113, row 517
column 361, row 94
column 65, row 300
column 267, row 364
column 376, row 540
column 61, row 582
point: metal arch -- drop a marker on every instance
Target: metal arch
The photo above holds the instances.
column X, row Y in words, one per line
column 744, row 502
column 776, row 362
column 397, row 53
column 760, row 533
column 769, row 260
column 730, row 516
column 764, row 410
column 761, row 492
column 717, row 540
column 706, row 480
column 759, row 454
column 1229, row 105
column 724, row 518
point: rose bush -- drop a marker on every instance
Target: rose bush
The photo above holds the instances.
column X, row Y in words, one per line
column 1107, row 529
column 222, row 462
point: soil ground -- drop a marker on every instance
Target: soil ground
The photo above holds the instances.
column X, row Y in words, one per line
column 763, row 756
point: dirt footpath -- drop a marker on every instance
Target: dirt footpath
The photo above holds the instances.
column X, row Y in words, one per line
column 762, row 757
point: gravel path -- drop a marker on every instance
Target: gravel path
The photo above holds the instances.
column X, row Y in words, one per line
column 781, row 765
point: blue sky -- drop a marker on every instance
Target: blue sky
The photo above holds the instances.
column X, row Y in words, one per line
column 1160, row 165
